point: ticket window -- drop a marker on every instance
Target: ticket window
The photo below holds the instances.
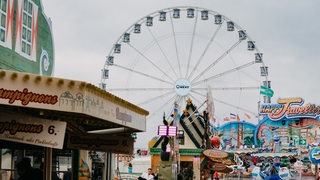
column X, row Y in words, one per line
column 7, row 164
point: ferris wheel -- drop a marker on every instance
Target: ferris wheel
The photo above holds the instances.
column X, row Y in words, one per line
column 176, row 54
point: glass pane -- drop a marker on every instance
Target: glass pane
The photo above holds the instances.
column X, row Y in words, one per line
column 23, row 46
column 2, row 35
column 25, row 18
column 30, row 8
column 29, row 22
column 29, row 36
column 24, row 33
column 25, row 5
column 4, row 5
column 6, row 163
column 28, row 49
column 3, row 20
column 6, row 158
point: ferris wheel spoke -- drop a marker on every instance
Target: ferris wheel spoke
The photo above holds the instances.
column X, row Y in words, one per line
column 205, row 51
column 228, row 88
column 150, row 61
column 195, row 99
column 224, row 73
column 228, row 104
column 162, row 52
column 156, row 98
column 143, row 74
column 139, row 89
column 198, row 93
column 178, row 99
column 169, row 101
column 191, row 44
column 217, row 60
column 175, row 44
column 183, row 100
column 236, row 107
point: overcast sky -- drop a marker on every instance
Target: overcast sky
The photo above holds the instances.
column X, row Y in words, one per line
column 286, row 31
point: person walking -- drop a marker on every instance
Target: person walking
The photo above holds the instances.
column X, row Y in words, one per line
column 216, row 175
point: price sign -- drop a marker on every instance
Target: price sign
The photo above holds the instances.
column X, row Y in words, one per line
column 32, row 130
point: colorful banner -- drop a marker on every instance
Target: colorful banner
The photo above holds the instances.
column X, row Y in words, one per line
column 32, row 130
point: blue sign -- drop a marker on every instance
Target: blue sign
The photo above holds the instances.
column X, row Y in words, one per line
column 314, row 155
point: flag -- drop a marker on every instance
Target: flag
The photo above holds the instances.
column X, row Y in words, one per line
column 266, row 91
column 228, row 142
column 247, row 115
column 214, row 119
column 210, row 105
column 233, row 116
column 176, row 115
column 175, row 110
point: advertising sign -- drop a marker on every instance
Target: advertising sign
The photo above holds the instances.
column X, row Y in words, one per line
column 115, row 144
column 290, row 108
column 43, row 92
column 215, row 153
column 314, row 155
column 32, row 130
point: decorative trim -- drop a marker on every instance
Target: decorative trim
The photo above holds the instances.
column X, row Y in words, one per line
column 196, row 127
column 184, row 152
column 158, row 142
column 190, row 134
column 13, row 75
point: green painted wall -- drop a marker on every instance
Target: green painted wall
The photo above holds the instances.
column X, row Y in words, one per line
column 43, row 62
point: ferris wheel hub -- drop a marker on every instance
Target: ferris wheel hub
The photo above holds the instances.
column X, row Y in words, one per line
column 182, row 87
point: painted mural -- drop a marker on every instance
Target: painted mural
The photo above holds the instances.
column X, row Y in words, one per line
column 291, row 120
column 237, row 134
column 26, row 42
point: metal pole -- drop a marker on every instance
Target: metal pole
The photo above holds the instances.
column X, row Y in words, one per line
column 299, row 155
column 206, row 119
column 48, row 163
column 316, row 171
